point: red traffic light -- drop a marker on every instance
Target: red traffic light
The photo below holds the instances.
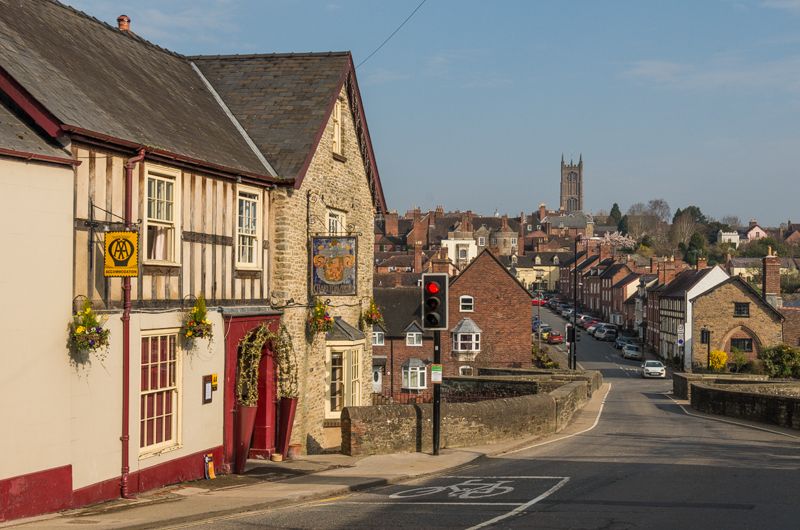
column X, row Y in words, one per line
column 432, row 288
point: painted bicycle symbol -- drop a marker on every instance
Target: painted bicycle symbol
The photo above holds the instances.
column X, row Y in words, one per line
column 469, row 489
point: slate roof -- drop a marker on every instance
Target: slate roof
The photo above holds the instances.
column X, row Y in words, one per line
column 627, row 279
column 391, row 279
column 684, row 281
column 466, row 325
column 573, row 259
column 529, row 259
column 571, row 220
column 611, row 268
column 17, row 135
column 92, row 77
column 400, row 307
column 343, row 331
column 281, row 100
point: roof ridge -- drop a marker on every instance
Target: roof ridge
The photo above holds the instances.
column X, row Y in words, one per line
column 116, row 31
column 268, row 55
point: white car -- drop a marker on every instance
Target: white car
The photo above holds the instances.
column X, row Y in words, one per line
column 654, row 369
column 632, row 351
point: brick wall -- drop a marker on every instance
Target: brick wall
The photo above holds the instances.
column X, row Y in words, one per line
column 397, row 352
column 502, row 309
column 715, row 310
column 791, row 326
column 329, row 183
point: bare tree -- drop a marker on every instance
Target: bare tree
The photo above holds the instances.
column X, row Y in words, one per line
column 732, row 220
column 660, row 209
column 683, row 228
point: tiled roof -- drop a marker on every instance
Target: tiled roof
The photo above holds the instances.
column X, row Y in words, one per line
column 17, row 135
column 684, row 281
column 343, row 331
column 281, row 100
column 95, row 78
column 627, row 280
column 391, row 279
column 400, row 307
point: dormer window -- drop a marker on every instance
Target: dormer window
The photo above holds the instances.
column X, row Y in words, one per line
column 481, row 241
column 414, row 338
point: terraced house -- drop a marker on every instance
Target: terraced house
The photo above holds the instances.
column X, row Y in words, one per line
column 250, row 180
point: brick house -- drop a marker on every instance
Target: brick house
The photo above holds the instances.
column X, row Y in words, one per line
column 737, row 317
column 230, row 181
column 489, row 324
column 791, row 325
column 608, row 281
column 622, row 300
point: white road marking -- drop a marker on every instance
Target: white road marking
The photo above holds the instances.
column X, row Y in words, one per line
column 596, row 421
column 722, row 420
column 521, row 508
column 422, row 503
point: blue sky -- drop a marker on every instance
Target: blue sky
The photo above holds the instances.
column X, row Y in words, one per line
column 473, row 102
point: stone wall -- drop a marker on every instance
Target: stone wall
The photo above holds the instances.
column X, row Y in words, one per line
column 755, row 406
column 549, row 380
column 331, row 183
column 397, row 428
column 791, row 326
column 467, row 388
column 682, row 382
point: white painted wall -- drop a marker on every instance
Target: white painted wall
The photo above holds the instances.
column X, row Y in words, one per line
column 452, row 244
column 713, row 278
column 36, row 282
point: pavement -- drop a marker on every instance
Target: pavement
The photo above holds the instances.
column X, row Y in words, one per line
column 270, row 485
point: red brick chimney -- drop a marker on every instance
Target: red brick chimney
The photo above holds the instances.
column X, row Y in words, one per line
column 542, row 212
column 391, row 224
column 418, row 257
column 440, row 262
column 124, row 23
column 702, row 263
column 653, row 265
column 666, row 271
column 605, row 251
column 521, row 235
column 771, row 279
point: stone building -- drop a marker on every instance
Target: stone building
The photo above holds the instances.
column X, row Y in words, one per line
column 737, row 317
column 571, row 186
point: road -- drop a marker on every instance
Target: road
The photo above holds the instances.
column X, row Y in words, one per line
column 646, row 464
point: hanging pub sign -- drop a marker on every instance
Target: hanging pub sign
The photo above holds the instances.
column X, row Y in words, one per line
column 333, row 266
column 121, row 254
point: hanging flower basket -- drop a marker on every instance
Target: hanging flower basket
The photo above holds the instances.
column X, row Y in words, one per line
column 319, row 318
column 195, row 322
column 87, row 334
column 372, row 316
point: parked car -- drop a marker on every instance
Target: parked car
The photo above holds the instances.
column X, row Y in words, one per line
column 632, row 351
column 654, row 369
column 622, row 341
column 542, row 328
column 555, row 337
column 537, row 302
column 605, row 333
column 567, row 313
column 593, row 327
column 588, row 323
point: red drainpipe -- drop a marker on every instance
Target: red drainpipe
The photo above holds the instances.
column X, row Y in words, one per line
column 126, row 329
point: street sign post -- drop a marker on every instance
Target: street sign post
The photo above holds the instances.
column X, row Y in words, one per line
column 436, row 374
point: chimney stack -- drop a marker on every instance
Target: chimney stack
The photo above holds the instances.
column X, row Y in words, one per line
column 542, row 212
column 702, row 263
column 124, row 23
column 390, row 224
column 771, row 279
column 418, row 257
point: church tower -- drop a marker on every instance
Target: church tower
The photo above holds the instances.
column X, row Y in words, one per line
column 572, row 185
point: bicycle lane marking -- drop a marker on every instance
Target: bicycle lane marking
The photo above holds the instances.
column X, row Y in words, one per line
column 522, row 507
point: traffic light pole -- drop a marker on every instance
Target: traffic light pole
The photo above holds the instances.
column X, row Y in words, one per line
column 437, row 392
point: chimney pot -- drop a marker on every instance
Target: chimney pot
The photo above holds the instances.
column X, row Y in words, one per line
column 124, row 23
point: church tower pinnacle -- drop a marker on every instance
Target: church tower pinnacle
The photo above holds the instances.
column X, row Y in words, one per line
column 572, row 185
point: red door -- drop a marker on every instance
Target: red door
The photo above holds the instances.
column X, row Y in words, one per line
column 263, row 443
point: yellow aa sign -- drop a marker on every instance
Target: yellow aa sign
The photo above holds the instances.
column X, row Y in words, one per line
column 121, row 254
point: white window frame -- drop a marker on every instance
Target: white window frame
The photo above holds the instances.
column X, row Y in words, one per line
column 421, row 382
column 481, row 241
column 351, row 377
column 175, row 388
column 170, row 177
column 463, row 253
column 513, row 241
column 466, row 304
column 337, row 128
column 253, row 195
column 414, row 338
column 466, row 342
column 466, row 370
column 337, row 222
column 378, row 338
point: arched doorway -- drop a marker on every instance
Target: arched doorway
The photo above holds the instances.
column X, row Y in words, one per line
column 743, row 339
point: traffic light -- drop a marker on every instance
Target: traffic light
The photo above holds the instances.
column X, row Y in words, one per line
column 434, row 301
column 570, row 333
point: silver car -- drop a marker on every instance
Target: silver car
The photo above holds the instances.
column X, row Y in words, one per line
column 654, row 369
column 632, row 351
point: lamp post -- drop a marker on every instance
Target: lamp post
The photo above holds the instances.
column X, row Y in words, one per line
column 573, row 346
column 705, row 337
column 539, row 320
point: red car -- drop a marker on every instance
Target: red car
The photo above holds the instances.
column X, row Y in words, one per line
column 555, row 337
column 538, row 301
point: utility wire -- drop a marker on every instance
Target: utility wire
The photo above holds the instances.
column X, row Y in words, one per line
column 392, row 35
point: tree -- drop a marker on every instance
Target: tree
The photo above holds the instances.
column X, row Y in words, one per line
column 695, row 249
column 623, row 224
column 616, row 214
column 732, row 221
column 696, row 214
column 659, row 208
column 683, row 226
